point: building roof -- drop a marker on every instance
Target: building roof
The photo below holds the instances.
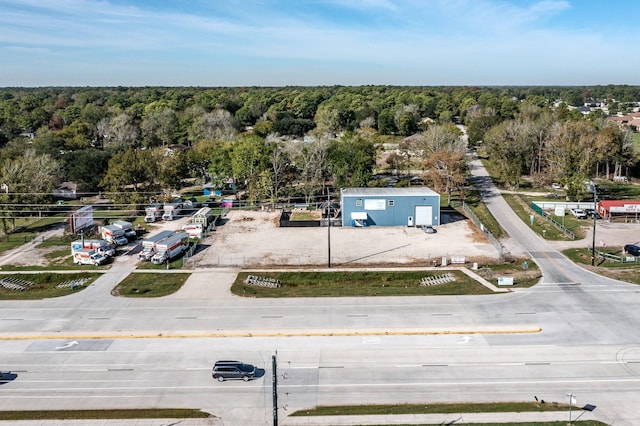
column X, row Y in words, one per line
column 389, row 192
column 618, row 203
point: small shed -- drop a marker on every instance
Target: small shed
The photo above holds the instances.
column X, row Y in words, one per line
column 203, row 216
column 412, row 206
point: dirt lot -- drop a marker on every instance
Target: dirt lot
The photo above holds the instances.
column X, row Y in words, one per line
column 254, row 239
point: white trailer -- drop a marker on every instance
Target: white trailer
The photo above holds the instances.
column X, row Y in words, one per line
column 153, row 212
column 149, row 244
column 88, row 257
column 194, row 230
column 171, row 210
column 127, row 227
column 101, row 246
column 170, row 247
column 114, row 235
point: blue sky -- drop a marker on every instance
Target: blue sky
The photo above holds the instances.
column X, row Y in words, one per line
column 318, row 42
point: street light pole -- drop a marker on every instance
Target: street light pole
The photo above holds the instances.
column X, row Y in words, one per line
column 595, row 215
column 571, row 399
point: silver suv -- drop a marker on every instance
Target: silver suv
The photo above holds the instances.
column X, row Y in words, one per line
column 223, row 370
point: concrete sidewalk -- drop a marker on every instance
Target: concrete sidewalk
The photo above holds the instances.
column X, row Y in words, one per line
column 439, row 419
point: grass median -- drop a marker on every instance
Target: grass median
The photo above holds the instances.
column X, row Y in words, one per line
column 357, row 283
column 43, row 285
column 456, row 408
column 150, row 284
column 160, row 413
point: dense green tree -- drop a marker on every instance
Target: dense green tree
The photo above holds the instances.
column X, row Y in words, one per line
column 570, row 155
column 249, row 157
column 310, row 160
column 130, row 177
column 351, row 160
column 159, row 127
column 86, row 168
column 30, row 178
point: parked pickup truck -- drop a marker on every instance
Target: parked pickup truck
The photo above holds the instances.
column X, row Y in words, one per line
column 578, row 213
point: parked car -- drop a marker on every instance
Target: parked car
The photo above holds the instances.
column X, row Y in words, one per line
column 429, row 229
column 223, row 370
column 578, row 213
column 632, row 249
column 592, row 214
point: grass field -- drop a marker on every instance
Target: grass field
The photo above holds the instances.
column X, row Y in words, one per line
column 159, row 413
column 150, row 284
column 376, row 283
column 521, row 206
column 629, row 271
column 43, row 285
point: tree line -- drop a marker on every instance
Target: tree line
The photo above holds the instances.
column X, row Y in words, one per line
column 290, row 141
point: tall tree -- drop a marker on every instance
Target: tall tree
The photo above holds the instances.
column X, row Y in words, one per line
column 442, row 155
column 570, row 155
column 248, row 159
column 311, row 162
column 352, row 160
column 131, row 176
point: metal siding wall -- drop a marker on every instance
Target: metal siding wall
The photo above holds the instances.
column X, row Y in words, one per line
column 404, row 206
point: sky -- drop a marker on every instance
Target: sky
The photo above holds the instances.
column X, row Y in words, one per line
column 224, row 43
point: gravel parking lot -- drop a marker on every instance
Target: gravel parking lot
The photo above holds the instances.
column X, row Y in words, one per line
column 254, row 239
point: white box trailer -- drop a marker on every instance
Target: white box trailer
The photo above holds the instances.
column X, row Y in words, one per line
column 193, row 229
column 153, row 212
column 88, row 257
column 127, row 227
column 114, row 234
column 149, row 244
column 170, row 247
column 171, row 210
column 101, row 246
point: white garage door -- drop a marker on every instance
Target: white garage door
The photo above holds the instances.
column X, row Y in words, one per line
column 424, row 215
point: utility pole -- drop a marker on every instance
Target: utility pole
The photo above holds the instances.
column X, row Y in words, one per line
column 595, row 215
column 328, row 230
column 274, row 366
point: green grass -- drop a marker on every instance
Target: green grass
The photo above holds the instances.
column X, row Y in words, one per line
column 521, row 206
column 176, row 263
column 522, row 278
column 64, row 241
column 636, row 141
column 304, row 215
column 150, row 284
column 44, row 285
column 156, row 413
column 474, row 202
column 356, row 283
column 617, row 191
column 462, row 408
column 389, row 409
column 629, row 272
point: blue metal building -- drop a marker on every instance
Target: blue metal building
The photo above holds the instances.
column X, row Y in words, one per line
column 411, row 206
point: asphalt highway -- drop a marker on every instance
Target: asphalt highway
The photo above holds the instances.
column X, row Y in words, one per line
column 575, row 332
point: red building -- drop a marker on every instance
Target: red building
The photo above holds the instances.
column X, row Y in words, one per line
column 609, row 209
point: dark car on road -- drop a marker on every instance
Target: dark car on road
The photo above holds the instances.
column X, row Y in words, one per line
column 592, row 214
column 632, row 249
column 229, row 370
